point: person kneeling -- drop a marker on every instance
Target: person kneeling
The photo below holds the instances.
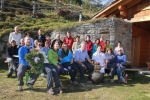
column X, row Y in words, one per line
column 80, row 58
column 66, row 59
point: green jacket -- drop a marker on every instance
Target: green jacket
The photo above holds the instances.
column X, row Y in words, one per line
column 52, row 57
column 108, row 46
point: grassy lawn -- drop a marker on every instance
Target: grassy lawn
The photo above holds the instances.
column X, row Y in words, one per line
column 138, row 89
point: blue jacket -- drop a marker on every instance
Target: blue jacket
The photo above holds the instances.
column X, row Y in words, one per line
column 94, row 49
column 121, row 59
column 21, row 53
column 45, row 50
column 67, row 58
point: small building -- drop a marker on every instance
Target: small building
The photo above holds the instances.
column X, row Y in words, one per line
column 138, row 13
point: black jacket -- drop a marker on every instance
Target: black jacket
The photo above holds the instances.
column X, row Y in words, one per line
column 12, row 51
column 42, row 39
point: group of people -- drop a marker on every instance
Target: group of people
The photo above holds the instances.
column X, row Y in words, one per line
column 71, row 54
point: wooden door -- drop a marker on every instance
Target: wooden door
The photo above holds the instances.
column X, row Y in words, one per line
column 135, row 51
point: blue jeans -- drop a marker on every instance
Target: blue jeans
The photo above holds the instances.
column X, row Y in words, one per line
column 60, row 71
column 72, row 69
column 119, row 71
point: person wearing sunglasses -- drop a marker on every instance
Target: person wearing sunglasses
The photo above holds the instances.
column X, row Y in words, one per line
column 12, row 50
column 66, row 59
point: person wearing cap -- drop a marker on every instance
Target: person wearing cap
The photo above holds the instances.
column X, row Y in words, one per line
column 69, row 40
column 119, row 46
column 58, row 40
column 120, row 64
column 12, row 50
column 48, row 39
column 15, row 36
column 41, row 37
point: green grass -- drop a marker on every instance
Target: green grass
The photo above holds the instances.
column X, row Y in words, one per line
column 138, row 89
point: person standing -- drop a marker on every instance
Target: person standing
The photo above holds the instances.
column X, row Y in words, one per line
column 48, row 39
column 24, row 65
column 41, row 37
column 15, row 36
column 119, row 46
column 76, row 45
column 89, row 46
column 102, row 43
column 69, row 40
column 95, row 45
column 81, row 55
column 108, row 45
column 12, row 50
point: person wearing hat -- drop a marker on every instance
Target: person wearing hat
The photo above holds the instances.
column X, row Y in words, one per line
column 11, row 50
column 120, row 64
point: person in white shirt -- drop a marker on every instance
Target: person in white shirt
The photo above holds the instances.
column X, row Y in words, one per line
column 119, row 46
column 99, row 58
column 15, row 36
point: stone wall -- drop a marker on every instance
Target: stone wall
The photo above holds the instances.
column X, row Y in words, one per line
column 112, row 29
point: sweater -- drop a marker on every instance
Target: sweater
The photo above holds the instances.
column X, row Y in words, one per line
column 75, row 46
column 69, row 42
column 11, row 51
column 102, row 43
column 14, row 36
column 110, row 58
column 52, row 57
column 121, row 59
column 108, row 46
column 67, row 58
column 22, row 52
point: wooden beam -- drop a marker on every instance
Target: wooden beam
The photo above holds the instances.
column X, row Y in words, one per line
column 141, row 19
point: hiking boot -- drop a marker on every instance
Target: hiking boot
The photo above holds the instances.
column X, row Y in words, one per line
column 30, row 86
column 59, row 90
column 82, row 84
column 50, row 91
column 75, row 83
column 19, row 88
column 9, row 75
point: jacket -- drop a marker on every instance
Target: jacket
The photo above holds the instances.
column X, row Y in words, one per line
column 69, row 42
column 121, row 59
column 94, row 49
column 75, row 46
column 52, row 57
column 89, row 46
column 110, row 58
column 102, row 43
column 12, row 51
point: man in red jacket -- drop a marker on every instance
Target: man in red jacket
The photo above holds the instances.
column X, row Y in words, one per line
column 69, row 40
column 89, row 45
column 102, row 43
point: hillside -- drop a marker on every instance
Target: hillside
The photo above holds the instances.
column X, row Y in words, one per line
column 48, row 17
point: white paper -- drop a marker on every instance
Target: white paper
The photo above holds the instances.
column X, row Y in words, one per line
column 102, row 70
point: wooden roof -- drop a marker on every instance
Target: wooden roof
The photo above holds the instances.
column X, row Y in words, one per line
column 113, row 8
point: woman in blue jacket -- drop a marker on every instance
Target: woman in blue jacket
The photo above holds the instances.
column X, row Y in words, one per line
column 121, row 61
column 66, row 60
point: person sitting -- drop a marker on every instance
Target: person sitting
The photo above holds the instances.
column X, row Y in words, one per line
column 21, row 43
column 111, row 63
column 118, row 47
column 108, row 45
column 95, row 45
column 76, row 44
column 66, row 59
column 46, row 48
column 99, row 58
column 57, row 39
column 83, row 62
column 32, row 42
column 53, row 58
column 50, row 72
column 23, row 66
column 12, row 50
column 89, row 46
column 120, row 64
column 41, row 37
column 48, row 39
column 69, row 40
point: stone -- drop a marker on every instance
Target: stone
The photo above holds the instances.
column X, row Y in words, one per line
column 5, row 38
column 2, row 44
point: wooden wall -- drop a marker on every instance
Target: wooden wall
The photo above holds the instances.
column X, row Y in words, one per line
column 144, row 45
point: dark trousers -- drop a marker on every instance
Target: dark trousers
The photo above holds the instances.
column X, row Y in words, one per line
column 112, row 68
column 90, row 54
column 72, row 69
column 90, row 69
column 21, row 72
column 59, row 71
column 50, row 71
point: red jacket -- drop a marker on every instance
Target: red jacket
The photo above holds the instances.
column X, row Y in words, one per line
column 89, row 46
column 102, row 43
column 69, row 42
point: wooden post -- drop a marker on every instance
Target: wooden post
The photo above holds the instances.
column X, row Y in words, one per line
column 2, row 5
column 34, row 8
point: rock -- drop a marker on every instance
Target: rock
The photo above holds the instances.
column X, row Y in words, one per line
column 5, row 38
column 2, row 46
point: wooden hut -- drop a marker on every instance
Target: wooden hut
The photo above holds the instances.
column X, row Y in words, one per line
column 137, row 12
